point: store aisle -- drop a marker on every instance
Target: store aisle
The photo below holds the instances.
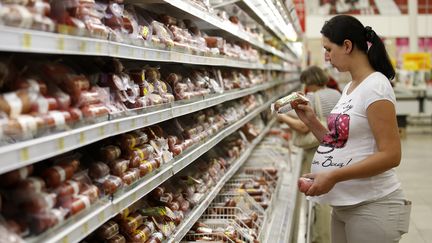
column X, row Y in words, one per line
column 415, row 174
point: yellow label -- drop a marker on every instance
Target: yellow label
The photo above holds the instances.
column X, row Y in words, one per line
column 61, row 143
column 63, row 29
column 101, row 131
column 65, row 239
column 145, row 32
column 142, row 76
column 98, row 47
column 150, row 167
column 117, row 127
column 140, row 153
column 82, row 138
column 60, row 44
column 145, row 91
column 83, row 46
column 101, row 217
column 27, row 40
column 133, row 122
column 86, row 228
column 24, row 154
column 134, row 196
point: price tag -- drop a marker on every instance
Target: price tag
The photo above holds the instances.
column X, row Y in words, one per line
column 27, row 40
column 117, row 127
column 98, row 48
column 101, row 131
column 24, row 154
column 61, row 143
column 83, row 46
column 134, row 196
column 60, row 43
column 86, row 228
column 133, row 123
column 101, row 217
column 82, row 138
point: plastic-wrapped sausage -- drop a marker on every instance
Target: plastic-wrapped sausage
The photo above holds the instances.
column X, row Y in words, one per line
column 118, row 167
column 34, row 84
column 156, row 237
column 43, row 104
column 158, row 192
column 98, row 170
column 38, row 202
column 141, row 234
column 132, row 222
column 76, row 204
column 144, row 151
column 68, row 188
column 17, row 102
column 118, row 238
column 131, row 140
column 108, row 230
column 110, row 184
column 109, row 153
column 57, row 174
column 91, row 191
column 147, row 167
column 15, row 176
column 94, row 110
column 44, row 220
column 131, row 176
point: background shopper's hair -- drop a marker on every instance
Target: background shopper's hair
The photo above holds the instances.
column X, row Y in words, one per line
column 346, row 27
column 314, row 75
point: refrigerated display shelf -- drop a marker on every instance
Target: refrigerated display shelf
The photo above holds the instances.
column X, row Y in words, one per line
column 28, row 152
column 81, row 225
column 196, row 213
column 32, row 41
column 229, row 27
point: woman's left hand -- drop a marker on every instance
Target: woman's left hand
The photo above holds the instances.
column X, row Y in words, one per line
column 323, row 183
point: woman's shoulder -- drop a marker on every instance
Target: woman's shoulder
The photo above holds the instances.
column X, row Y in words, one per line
column 378, row 81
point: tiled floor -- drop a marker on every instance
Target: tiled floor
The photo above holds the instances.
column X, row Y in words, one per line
column 415, row 172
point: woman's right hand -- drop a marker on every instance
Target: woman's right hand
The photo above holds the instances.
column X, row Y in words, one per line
column 305, row 113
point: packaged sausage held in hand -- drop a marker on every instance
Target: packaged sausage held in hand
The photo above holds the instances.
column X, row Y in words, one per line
column 289, row 102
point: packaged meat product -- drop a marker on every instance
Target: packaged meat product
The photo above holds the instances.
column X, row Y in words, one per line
column 141, row 234
column 144, row 151
column 118, row 167
column 88, row 97
column 174, row 205
column 16, row 15
column 137, row 75
column 31, row 83
column 132, row 222
column 158, row 192
column 76, row 204
column 164, row 212
column 118, row 238
column 44, row 220
column 57, row 174
column 289, row 102
column 133, row 139
column 166, row 198
column 108, row 230
column 34, row 184
column 98, row 170
column 109, row 153
column 92, row 192
column 111, row 184
column 38, row 202
column 131, row 176
column 156, row 237
column 8, row 235
column 68, row 188
column 147, row 167
column 43, row 104
column 15, row 176
column 57, row 119
column 95, row 110
column 184, row 206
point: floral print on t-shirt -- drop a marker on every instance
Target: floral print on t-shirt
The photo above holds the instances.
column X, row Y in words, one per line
column 337, row 136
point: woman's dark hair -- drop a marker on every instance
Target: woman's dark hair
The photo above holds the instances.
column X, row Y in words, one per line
column 345, row 27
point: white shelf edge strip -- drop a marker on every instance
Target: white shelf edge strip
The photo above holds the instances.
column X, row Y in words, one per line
column 79, row 228
column 28, row 152
column 227, row 26
column 28, row 40
column 184, row 227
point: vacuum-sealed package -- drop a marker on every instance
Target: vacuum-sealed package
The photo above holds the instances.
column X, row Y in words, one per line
column 289, row 102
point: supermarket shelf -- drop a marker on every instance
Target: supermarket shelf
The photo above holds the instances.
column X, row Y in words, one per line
column 280, row 228
column 86, row 222
column 228, row 27
column 184, row 227
column 26, row 40
column 28, row 152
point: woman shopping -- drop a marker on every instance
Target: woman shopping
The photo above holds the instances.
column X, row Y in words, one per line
column 353, row 168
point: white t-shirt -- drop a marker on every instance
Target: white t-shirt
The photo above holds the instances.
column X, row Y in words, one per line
column 350, row 140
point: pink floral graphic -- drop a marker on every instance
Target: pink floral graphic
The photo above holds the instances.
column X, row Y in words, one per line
column 338, row 125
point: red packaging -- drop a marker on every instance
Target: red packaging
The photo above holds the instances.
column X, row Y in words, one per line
column 15, row 176
column 131, row 176
column 38, row 202
column 68, row 188
column 57, row 174
column 43, row 104
column 98, row 170
column 76, row 204
column 94, row 110
column 88, row 97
